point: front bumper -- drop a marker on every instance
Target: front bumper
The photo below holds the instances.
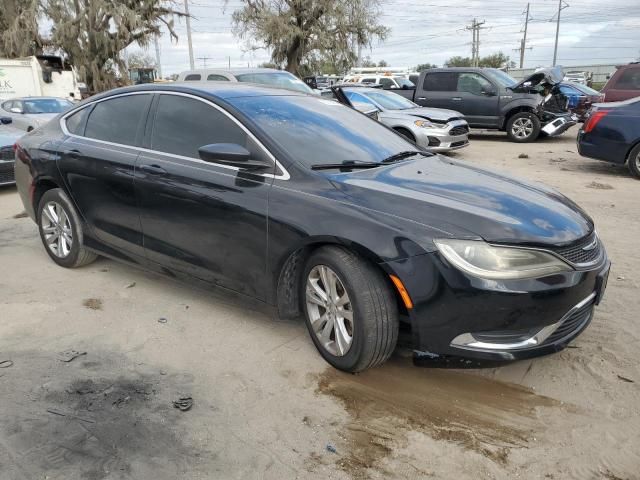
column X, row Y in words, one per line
column 452, row 136
column 456, row 314
column 560, row 125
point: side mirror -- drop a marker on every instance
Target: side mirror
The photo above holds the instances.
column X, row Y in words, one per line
column 231, row 154
column 16, row 110
column 489, row 91
column 6, row 120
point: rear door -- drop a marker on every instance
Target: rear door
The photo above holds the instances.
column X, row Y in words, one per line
column 97, row 162
column 438, row 90
column 202, row 218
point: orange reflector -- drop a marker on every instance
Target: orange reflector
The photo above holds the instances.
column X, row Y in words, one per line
column 402, row 291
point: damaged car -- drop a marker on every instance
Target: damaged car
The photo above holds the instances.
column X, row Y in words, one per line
column 434, row 129
column 491, row 99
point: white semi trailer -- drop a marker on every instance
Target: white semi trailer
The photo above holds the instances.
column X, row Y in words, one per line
column 38, row 76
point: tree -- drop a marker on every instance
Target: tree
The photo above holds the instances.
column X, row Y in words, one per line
column 93, row 33
column 295, row 30
column 425, row 66
column 496, row 60
column 269, row 65
column 383, row 63
column 140, row 60
column 19, row 36
column 367, row 62
column 458, row 61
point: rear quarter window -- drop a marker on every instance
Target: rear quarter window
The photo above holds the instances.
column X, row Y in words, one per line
column 193, row 77
column 440, row 82
column 117, row 120
column 76, row 122
column 629, row 80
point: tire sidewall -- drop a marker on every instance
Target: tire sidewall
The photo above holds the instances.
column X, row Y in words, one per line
column 536, row 127
column 351, row 359
column 633, row 162
column 61, row 198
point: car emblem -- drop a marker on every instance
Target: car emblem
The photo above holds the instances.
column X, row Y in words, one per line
column 591, row 246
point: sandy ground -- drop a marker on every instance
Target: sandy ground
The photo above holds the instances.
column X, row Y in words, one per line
column 265, row 405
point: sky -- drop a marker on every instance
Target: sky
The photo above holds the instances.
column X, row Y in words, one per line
column 431, row 31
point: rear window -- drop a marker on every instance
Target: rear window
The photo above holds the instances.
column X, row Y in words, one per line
column 629, row 80
column 217, row 78
column 117, row 120
column 193, row 77
column 441, row 82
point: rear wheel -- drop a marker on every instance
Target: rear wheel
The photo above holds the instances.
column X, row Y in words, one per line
column 61, row 230
column 634, row 162
column 523, row 127
column 350, row 310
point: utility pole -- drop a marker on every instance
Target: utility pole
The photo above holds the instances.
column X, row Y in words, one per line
column 204, row 61
column 158, row 63
column 229, row 62
column 523, row 44
column 555, row 48
column 475, row 28
column 186, row 11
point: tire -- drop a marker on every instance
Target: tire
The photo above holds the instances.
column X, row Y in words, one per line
column 56, row 235
column 406, row 134
column 523, row 127
column 633, row 163
column 374, row 314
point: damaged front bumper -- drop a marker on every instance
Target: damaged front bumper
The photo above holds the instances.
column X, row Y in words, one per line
column 559, row 124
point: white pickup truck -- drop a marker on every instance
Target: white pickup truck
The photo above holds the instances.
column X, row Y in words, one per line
column 37, row 76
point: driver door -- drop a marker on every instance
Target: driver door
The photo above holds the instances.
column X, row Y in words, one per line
column 476, row 98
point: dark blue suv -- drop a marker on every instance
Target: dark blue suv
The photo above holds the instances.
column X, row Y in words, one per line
column 611, row 133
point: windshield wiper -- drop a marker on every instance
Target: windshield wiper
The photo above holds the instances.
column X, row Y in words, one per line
column 401, row 155
column 345, row 165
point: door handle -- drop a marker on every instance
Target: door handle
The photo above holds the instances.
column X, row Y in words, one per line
column 421, row 98
column 456, row 99
column 72, row 153
column 153, row 169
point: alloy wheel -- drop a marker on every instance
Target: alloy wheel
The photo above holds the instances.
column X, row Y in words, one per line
column 522, row 127
column 56, row 228
column 637, row 160
column 330, row 310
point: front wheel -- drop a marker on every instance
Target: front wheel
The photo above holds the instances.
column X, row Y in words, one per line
column 634, row 162
column 523, row 127
column 350, row 310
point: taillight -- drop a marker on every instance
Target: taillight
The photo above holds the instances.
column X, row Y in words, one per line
column 594, row 118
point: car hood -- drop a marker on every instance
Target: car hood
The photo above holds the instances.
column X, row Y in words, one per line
column 9, row 135
column 552, row 76
column 438, row 115
column 465, row 201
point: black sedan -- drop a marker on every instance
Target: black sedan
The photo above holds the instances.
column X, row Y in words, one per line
column 611, row 133
column 314, row 208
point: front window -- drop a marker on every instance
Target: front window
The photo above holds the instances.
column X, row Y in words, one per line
column 403, row 82
column 504, row 78
column 473, row 83
column 388, row 100
column 276, row 79
column 46, row 105
column 317, row 131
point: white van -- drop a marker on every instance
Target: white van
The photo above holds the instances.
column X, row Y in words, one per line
column 264, row 76
column 38, row 76
column 388, row 82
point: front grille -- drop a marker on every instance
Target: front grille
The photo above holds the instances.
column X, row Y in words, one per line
column 459, row 130
column 6, row 153
column 573, row 323
column 6, row 171
column 576, row 252
column 459, row 143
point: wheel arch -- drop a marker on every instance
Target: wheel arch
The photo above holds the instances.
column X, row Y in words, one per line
column 40, row 186
column 513, row 110
column 400, row 128
column 288, row 275
column 631, row 149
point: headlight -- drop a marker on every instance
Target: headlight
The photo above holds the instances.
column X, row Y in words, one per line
column 499, row 263
column 423, row 124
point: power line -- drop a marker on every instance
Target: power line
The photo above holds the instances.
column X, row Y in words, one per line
column 204, row 61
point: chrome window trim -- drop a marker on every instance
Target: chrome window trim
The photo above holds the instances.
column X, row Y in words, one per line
column 467, row 341
column 282, row 176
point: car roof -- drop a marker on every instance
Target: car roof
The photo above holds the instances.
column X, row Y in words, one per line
column 222, row 90
column 233, row 71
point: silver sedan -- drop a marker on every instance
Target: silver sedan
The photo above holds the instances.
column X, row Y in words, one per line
column 29, row 113
column 435, row 129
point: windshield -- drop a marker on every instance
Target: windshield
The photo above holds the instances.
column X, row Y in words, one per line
column 276, row 79
column 316, row 131
column 386, row 100
column 46, row 105
column 403, row 82
column 503, row 78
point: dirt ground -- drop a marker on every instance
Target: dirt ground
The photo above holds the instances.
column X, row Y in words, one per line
column 265, row 405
